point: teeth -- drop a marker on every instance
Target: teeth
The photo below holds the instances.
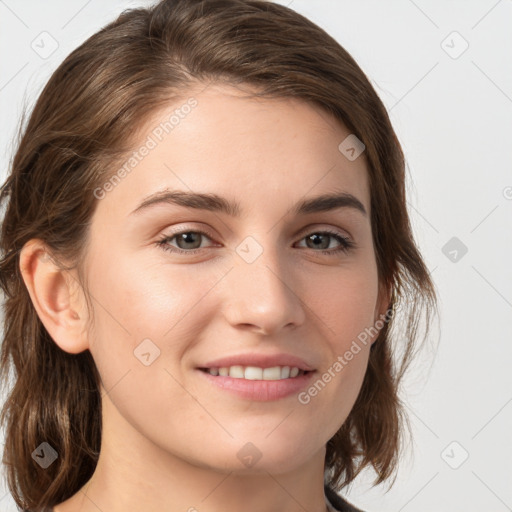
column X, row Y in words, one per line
column 253, row 373
column 256, row 373
column 272, row 373
column 236, row 372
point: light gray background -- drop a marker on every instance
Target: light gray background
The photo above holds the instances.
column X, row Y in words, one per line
column 452, row 110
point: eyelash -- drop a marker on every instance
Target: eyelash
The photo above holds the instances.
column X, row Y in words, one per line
column 345, row 244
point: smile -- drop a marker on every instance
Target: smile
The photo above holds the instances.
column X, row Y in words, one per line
column 256, row 373
column 258, row 384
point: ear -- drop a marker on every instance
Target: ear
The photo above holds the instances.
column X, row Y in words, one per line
column 52, row 291
column 382, row 313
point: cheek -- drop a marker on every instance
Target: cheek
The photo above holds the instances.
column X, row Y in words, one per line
column 345, row 302
column 345, row 306
column 137, row 300
column 142, row 296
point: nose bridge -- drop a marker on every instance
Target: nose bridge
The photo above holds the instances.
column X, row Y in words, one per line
column 259, row 287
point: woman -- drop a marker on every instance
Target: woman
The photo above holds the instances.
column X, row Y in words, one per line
column 205, row 248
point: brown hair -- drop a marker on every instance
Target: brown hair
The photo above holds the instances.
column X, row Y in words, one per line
column 82, row 126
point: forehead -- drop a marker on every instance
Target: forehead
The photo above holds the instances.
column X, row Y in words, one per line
column 259, row 150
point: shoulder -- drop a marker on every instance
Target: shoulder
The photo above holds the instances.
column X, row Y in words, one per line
column 339, row 503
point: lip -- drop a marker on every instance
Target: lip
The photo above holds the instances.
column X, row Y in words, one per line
column 259, row 390
column 259, row 360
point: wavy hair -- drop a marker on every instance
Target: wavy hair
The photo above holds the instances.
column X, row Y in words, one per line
column 82, row 126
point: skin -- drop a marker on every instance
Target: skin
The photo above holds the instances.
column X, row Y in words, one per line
column 170, row 439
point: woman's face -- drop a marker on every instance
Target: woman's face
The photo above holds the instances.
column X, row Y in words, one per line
column 264, row 281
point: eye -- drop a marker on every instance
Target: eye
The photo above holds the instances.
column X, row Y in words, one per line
column 189, row 242
column 318, row 240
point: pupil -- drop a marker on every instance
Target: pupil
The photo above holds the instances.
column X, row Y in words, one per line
column 317, row 238
column 188, row 238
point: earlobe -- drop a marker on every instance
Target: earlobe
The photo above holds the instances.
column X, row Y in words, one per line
column 382, row 308
column 51, row 291
column 385, row 302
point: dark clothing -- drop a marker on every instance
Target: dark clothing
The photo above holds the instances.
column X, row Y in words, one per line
column 338, row 502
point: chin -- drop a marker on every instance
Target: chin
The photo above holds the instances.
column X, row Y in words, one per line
column 264, row 456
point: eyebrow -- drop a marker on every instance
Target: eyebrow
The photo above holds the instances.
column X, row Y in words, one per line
column 215, row 203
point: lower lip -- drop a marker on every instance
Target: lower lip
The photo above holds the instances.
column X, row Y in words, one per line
column 260, row 390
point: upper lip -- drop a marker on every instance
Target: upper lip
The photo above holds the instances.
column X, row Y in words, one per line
column 259, row 360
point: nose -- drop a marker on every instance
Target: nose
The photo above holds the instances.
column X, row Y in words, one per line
column 263, row 295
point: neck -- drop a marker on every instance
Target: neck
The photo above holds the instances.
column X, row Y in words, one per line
column 135, row 474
